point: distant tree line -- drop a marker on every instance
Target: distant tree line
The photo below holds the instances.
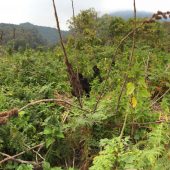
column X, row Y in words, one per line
column 19, row 38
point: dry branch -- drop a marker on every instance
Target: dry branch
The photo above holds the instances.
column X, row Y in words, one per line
column 167, row 91
column 4, row 116
column 8, row 157
column 74, row 80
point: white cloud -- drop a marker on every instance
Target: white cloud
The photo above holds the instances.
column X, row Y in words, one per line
column 144, row 5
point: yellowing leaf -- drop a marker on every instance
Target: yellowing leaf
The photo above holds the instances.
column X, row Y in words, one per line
column 21, row 113
column 133, row 102
column 130, row 88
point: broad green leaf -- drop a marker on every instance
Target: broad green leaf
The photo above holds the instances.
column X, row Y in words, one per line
column 49, row 141
column 48, row 131
column 130, row 88
column 25, row 167
column 60, row 135
column 46, row 166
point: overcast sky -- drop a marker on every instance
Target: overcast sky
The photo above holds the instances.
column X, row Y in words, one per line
column 40, row 12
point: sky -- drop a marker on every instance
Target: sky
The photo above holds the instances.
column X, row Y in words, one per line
column 40, row 12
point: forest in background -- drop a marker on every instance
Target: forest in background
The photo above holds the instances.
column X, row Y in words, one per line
column 27, row 35
column 123, row 123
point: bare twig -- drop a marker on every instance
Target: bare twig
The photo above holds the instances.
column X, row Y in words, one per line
column 75, row 38
column 52, row 100
column 19, row 160
column 146, row 65
column 73, row 164
column 37, row 153
column 160, row 97
column 126, row 75
column 124, row 124
column 148, row 123
column 59, row 32
column 130, row 60
column 19, row 154
column 35, row 164
column 74, row 81
column 4, row 116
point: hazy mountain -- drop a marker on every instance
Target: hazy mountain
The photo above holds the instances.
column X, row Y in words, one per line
column 129, row 14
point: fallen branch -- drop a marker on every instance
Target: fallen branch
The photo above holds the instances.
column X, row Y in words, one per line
column 52, row 100
column 20, row 160
column 4, row 116
column 8, row 157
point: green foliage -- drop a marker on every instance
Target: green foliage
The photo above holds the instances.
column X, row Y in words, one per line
column 25, row 167
column 130, row 136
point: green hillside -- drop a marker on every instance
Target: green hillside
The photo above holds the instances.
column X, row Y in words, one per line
column 29, row 35
column 47, row 33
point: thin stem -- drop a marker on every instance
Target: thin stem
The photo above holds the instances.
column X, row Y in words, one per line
column 59, row 31
column 124, row 124
column 129, row 66
column 130, row 60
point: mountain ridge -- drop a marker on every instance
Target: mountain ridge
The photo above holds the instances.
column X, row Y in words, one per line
column 48, row 34
column 126, row 14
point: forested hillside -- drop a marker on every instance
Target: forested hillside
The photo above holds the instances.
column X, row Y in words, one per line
column 100, row 101
column 27, row 35
column 49, row 34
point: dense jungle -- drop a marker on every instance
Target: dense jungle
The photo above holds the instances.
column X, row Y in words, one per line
column 97, row 99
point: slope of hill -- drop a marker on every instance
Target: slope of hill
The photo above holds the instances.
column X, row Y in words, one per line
column 19, row 37
column 47, row 33
column 27, row 33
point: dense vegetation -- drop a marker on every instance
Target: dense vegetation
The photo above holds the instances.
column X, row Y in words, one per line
column 124, row 124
